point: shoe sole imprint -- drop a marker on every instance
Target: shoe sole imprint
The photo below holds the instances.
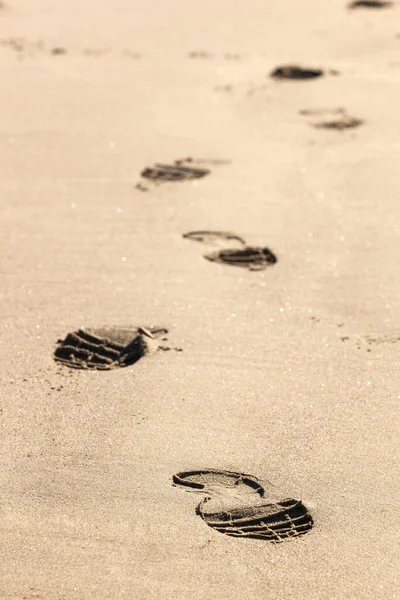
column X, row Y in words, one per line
column 273, row 522
column 252, row 517
column 106, row 348
column 207, row 479
column 177, row 172
column 253, row 258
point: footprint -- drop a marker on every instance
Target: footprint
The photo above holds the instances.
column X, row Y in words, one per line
column 24, row 48
column 58, row 51
column 383, row 339
column 296, row 72
column 183, row 169
column 235, row 505
column 179, row 171
column 337, row 119
column 214, row 238
column 212, row 480
column 345, row 122
column 252, row 257
column 200, row 54
column 233, row 56
column 107, row 348
column 370, row 4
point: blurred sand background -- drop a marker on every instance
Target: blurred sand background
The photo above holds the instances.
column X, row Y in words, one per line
column 290, row 374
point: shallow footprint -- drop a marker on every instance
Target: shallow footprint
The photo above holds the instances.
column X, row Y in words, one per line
column 107, row 348
column 337, row 119
column 235, row 506
column 254, row 258
column 214, row 238
column 216, row 481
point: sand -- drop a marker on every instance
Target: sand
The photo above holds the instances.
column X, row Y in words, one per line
column 289, row 374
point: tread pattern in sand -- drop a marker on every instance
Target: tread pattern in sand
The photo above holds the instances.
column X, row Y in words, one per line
column 234, row 506
column 106, row 348
column 176, row 172
column 254, row 258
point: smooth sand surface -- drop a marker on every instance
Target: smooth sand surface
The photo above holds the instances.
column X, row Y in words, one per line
column 290, row 374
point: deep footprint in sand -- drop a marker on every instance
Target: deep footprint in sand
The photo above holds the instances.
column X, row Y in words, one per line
column 185, row 169
column 336, row 119
column 296, row 72
column 235, row 505
column 255, row 258
column 162, row 172
column 181, row 170
column 107, row 348
column 237, row 254
column 370, row 4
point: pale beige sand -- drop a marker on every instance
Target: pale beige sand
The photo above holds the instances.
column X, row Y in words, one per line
column 265, row 384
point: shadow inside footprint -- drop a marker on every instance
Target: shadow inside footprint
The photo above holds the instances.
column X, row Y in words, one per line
column 345, row 122
column 235, row 506
column 251, row 257
column 296, row 72
column 370, row 4
column 106, row 348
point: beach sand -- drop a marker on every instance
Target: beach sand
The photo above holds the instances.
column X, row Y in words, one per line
column 290, row 374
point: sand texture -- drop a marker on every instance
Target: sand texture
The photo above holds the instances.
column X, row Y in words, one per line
column 136, row 140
